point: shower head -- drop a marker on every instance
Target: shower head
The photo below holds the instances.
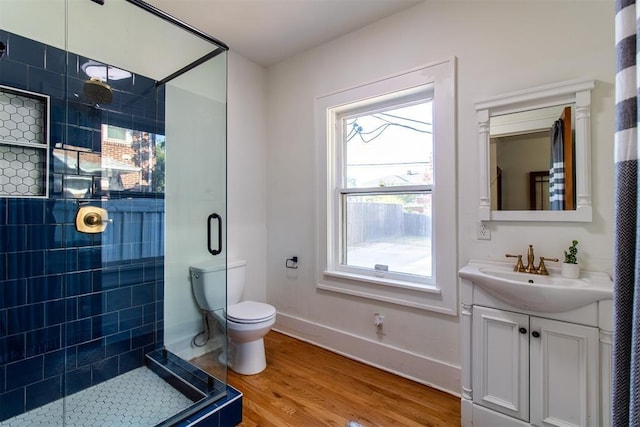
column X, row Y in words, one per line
column 97, row 91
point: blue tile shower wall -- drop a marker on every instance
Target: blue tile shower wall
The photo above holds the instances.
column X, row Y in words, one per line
column 76, row 309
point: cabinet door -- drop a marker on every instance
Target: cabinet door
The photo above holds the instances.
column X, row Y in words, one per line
column 500, row 362
column 564, row 374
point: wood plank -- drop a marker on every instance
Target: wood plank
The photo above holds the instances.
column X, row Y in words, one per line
column 305, row 385
column 569, row 162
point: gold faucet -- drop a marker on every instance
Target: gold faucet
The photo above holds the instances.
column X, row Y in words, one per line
column 531, row 267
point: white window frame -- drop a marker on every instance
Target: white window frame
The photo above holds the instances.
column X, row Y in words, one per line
column 440, row 292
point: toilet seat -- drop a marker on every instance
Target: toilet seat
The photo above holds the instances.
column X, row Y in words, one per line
column 248, row 312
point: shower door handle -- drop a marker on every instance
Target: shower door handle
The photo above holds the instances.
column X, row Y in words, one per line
column 218, row 218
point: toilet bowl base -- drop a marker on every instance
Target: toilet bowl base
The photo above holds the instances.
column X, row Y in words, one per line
column 247, row 358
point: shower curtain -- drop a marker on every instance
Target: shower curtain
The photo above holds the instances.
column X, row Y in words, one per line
column 626, row 297
column 556, row 170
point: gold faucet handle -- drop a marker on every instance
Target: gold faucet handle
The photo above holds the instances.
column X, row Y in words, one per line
column 519, row 267
column 542, row 269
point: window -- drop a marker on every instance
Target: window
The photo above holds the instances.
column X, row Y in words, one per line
column 132, row 160
column 388, row 215
column 383, row 188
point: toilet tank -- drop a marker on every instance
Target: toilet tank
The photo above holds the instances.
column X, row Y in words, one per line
column 235, row 281
column 208, row 283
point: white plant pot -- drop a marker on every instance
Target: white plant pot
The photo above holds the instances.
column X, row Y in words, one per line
column 570, row 271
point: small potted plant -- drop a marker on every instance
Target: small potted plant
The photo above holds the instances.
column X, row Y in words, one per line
column 570, row 267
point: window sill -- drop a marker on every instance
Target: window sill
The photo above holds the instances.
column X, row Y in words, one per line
column 407, row 294
column 383, row 281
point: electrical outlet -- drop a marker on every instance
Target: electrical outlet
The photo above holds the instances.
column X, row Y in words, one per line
column 483, row 232
column 378, row 319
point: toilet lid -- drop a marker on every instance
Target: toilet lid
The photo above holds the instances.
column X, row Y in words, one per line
column 250, row 312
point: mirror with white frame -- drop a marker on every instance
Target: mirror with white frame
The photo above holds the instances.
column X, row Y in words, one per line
column 519, row 134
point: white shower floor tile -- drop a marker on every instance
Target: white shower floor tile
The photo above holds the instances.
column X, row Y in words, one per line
column 137, row 398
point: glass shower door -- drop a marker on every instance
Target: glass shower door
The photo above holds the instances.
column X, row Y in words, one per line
column 160, row 135
column 95, row 298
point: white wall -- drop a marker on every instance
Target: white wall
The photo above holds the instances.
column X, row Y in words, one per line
column 500, row 48
column 247, row 172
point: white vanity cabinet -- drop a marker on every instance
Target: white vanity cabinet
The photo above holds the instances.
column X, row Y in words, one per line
column 536, row 351
column 535, row 369
column 500, row 362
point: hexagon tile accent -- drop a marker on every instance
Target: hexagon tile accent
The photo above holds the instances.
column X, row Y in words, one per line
column 136, row 398
column 22, row 130
column 21, row 171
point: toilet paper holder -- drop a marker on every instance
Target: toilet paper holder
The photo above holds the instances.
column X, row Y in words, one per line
column 291, row 263
column 92, row 219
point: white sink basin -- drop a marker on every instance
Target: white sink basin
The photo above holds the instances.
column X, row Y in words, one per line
column 551, row 294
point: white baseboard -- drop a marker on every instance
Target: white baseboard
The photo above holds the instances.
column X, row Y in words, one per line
column 430, row 372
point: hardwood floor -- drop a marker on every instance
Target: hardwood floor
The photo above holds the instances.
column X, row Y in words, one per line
column 305, row 385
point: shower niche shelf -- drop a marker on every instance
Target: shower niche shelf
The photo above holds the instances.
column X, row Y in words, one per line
column 24, row 143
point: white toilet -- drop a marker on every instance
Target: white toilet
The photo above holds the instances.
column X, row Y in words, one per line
column 247, row 322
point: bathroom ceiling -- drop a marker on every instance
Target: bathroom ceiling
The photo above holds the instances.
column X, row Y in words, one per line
column 268, row 31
